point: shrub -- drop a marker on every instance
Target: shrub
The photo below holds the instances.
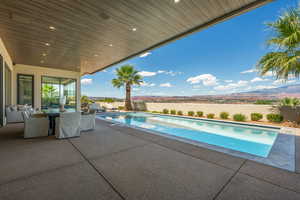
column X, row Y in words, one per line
column 224, row 115
column 191, row 113
column 179, row 112
column 165, row 111
column 120, row 107
column 239, row 117
column 199, row 113
column 155, row 111
column 173, row 112
column 210, row 115
column 256, row 116
column 293, row 102
column 275, row 117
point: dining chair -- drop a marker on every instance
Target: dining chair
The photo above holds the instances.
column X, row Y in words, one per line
column 67, row 125
column 35, row 125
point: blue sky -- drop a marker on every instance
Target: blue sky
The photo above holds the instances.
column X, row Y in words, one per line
column 217, row 60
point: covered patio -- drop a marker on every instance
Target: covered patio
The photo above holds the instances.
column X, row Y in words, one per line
column 56, row 42
column 116, row 162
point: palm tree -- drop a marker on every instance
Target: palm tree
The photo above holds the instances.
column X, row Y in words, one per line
column 284, row 62
column 127, row 76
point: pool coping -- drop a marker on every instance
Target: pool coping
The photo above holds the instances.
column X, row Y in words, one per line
column 282, row 131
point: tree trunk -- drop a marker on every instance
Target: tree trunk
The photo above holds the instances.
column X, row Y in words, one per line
column 128, row 105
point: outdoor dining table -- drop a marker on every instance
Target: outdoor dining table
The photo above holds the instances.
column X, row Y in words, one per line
column 52, row 115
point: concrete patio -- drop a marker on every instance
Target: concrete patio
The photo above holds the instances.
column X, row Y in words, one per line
column 114, row 162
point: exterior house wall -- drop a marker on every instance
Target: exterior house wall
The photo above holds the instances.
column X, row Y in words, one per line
column 38, row 72
column 6, row 59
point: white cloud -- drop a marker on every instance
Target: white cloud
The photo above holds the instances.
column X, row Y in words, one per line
column 136, row 89
column 269, row 73
column 232, row 86
column 242, row 83
column 146, row 84
column 145, row 54
column 146, row 73
column 261, row 87
column 205, row 79
column 257, row 79
column 283, row 81
column 86, row 81
column 172, row 73
column 249, row 71
column 228, row 81
column 165, row 85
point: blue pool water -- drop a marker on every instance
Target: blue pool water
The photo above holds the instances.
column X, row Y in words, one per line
column 253, row 140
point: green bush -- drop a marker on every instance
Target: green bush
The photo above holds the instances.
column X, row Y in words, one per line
column 210, row 115
column 179, row 112
column 293, row 102
column 120, row 107
column 165, row 111
column 173, row 112
column 224, row 115
column 256, row 116
column 155, row 111
column 191, row 113
column 274, row 117
column 199, row 114
column 239, row 117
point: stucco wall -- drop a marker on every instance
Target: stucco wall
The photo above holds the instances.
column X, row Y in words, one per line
column 38, row 72
column 6, row 59
column 232, row 109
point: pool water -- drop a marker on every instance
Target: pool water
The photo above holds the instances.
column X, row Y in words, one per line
column 248, row 139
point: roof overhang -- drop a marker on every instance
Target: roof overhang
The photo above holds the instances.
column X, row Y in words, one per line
column 91, row 35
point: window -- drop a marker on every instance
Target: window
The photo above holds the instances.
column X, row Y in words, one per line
column 25, row 93
column 57, row 90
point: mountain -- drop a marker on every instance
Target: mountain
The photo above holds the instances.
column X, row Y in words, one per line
column 289, row 89
column 243, row 97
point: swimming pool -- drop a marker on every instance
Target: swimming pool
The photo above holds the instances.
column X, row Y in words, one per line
column 248, row 139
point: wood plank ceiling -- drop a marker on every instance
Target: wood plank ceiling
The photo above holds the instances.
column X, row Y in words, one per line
column 90, row 35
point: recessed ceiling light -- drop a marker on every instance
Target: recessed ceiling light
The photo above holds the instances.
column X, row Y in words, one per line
column 52, row 28
column 134, row 29
column 110, row 45
column 47, row 44
column 96, row 55
column 176, row 1
column 44, row 54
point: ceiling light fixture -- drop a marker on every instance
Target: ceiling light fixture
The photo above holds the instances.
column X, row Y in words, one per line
column 96, row 55
column 52, row 28
column 134, row 29
column 110, row 45
column 44, row 54
column 176, row 1
column 47, row 44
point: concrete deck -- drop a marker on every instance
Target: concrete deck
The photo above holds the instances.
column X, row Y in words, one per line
column 114, row 162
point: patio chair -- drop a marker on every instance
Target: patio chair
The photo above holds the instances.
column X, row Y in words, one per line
column 96, row 107
column 13, row 115
column 87, row 121
column 67, row 125
column 35, row 125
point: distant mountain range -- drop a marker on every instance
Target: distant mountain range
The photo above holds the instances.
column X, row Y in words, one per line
column 243, row 97
column 285, row 90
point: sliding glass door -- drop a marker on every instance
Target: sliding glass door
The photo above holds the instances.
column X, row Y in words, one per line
column 25, row 89
column 58, row 90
